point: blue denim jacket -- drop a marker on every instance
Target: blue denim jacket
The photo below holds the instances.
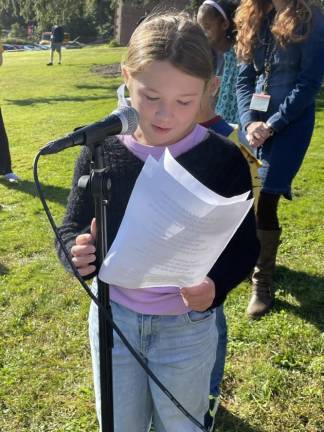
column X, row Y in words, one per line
column 295, row 78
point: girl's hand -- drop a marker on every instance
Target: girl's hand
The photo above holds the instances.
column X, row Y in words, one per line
column 199, row 297
column 258, row 133
column 83, row 252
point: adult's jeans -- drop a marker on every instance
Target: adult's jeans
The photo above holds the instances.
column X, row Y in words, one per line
column 180, row 350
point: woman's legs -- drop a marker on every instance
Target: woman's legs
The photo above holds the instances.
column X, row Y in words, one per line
column 5, row 160
column 267, row 212
column 269, row 232
column 281, row 156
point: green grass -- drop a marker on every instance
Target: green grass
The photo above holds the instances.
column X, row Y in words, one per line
column 274, row 373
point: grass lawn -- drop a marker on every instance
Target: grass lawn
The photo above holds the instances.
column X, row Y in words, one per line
column 274, row 373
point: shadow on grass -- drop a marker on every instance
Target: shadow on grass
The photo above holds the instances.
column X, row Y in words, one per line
column 97, row 87
column 228, row 422
column 55, row 99
column 320, row 100
column 308, row 291
column 3, row 270
column 52, row 193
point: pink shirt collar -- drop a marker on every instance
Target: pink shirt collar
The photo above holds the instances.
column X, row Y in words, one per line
column 142, row 151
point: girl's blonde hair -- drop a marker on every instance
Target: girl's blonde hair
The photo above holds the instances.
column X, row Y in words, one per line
column 174, row 37
column 291, row 23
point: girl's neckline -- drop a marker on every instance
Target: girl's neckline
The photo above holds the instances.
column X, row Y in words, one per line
column 133, row 154
column 197, row 135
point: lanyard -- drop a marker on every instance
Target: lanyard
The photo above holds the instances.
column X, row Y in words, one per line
column 270, row 50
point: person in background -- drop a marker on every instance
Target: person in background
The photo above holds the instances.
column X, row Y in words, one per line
column 166, row 70
column 57, row 38
column 216, row 17
column 5, row 159
column 280, row 44
column 215, row 122
column 212, row 120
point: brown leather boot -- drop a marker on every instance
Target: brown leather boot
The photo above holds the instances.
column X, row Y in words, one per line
column 262, row 298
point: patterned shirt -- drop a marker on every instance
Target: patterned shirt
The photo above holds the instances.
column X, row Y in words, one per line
column 226, row 105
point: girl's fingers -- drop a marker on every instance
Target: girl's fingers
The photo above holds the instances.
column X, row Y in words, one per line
column 84, row 239
column 83, row 261
column 93, row 228
column 82, row 250
column 85, row 271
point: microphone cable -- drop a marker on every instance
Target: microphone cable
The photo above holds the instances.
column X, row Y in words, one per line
column 139, row 358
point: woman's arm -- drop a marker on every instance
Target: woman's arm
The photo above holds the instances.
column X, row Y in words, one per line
column 309, row 78
column 257, row 131
column 245, row 88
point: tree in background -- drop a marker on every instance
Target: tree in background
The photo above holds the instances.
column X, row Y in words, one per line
column 10, row 14
column 85, row 18
column 193, row 5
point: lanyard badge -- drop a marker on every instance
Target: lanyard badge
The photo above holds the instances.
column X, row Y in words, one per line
column 260, row 101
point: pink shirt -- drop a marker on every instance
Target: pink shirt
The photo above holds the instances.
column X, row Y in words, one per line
column 164, row 300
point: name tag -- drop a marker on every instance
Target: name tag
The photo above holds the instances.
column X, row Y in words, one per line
column 260, row 102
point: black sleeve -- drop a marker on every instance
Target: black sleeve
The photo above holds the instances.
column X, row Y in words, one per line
column 241, row 253
column 79, row 211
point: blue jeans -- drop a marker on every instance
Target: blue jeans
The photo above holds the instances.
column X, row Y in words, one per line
column 178, row 349
column 220, row 343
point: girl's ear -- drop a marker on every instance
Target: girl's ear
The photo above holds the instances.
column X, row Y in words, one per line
column 125, row 74
column 225, row 25
column 214, row 85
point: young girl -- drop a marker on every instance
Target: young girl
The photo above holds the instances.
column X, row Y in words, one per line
column 216, row 17
column 281, row 46
column 167, row 70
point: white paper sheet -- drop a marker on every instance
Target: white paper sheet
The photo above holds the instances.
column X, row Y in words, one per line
column 173, row 231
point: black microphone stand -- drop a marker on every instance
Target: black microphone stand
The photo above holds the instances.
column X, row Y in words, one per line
column 99, row 184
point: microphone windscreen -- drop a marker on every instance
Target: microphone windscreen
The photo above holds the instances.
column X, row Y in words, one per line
column 129, row 119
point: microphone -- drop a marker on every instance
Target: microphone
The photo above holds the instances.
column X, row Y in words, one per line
column 123, row 121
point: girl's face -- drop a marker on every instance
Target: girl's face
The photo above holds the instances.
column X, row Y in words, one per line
column 215, row 29
column 167, row 100
column 279, row 4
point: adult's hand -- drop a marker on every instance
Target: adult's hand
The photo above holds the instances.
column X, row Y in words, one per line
column 258, row 133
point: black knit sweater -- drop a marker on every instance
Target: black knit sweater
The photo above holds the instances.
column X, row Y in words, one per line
column 215, row 162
